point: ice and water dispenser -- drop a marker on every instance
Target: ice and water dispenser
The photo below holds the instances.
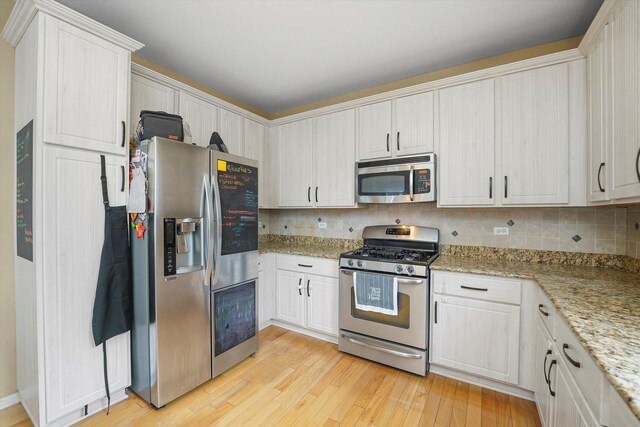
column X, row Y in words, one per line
column 183, row 245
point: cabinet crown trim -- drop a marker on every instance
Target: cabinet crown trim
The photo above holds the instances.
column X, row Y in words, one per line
column 25, row 10
column 601, row 19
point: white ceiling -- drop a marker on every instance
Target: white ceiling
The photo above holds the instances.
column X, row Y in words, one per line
column 276, row 54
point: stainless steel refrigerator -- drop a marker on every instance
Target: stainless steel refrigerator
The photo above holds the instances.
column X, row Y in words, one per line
column 195, row 270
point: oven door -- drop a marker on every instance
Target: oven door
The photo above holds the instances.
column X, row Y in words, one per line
column 408, row 327
column 401, row 183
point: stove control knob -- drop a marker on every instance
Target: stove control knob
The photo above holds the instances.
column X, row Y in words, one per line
column 360, row 264
column 410, row 270
column 350, row 263
column 399, row 268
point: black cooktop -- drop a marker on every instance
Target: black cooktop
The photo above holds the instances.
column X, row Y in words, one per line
column 382, row 253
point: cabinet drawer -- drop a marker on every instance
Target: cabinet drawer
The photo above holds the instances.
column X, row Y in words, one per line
column 588, row 377
column 305, row 264
column 546, row 311
column 479, row 287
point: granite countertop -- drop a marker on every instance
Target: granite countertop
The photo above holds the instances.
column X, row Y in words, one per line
column 601, row 306
column 318, row 251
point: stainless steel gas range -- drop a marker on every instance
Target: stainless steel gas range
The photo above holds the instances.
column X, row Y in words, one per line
column 384, row 296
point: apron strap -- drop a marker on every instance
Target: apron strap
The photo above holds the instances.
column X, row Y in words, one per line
column 103, row 178
column 106, row 375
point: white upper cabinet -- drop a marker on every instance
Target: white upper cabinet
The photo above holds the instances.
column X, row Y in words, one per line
column 253, row 149
column 625, row 101
column 334, row 159
column 396, row 128
column 596, row 82
column 374, row 131
column 231, row 130
column 534, row 136
column 201, row 116
column 86, row 90
column 147, row 94
column 466, row 144
column 413, row 124
column 295, row 169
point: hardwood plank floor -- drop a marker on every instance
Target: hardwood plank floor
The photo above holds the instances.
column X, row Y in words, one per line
column 298, row 380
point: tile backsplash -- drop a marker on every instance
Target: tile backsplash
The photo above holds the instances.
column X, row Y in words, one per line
column 594, row 230
column 633, row 232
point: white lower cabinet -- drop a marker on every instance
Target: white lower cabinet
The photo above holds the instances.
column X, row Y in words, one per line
column 570, row 409
column 306, row 299
column 266, row 289
column 476, row 325
column 478, row 337
column 543, row 357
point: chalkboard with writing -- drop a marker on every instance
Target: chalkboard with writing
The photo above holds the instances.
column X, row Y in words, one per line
column 24, row 192
column 239, row 202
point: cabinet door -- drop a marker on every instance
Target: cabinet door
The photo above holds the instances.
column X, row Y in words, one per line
column 73, row 238
column 466, row 142
column 625, row 97
column 266, row 288
column 290, row 298
column 322, row 304
column 374, row 131
column 295, row 168
column 413, row 133
column 596, row 82
column 334, row 158
column 534, row 138
column 201, row 116
column 543, row 357
column 86, row 90
column 570, row 409
column 253, row 149
column 231, row 130
column 268, row 194
column 149, row 95
column 477, row 337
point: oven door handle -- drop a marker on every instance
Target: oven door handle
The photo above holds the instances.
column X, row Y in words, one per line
column 347, row 272
column 410, row 281
column 382, row 349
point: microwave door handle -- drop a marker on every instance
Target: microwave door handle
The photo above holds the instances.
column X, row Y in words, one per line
column 218, row 234
column 411, row 183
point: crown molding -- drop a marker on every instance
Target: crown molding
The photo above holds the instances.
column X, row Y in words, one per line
column 148, row 73
column 487, row 73
column 601, row 19
column 25, row 10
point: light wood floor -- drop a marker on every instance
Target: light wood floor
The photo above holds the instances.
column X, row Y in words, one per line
column 298, row 380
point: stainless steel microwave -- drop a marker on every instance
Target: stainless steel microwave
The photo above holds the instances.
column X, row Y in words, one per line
column 405, row 180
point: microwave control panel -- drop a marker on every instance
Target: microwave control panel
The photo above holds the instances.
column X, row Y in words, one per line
column 422, row 181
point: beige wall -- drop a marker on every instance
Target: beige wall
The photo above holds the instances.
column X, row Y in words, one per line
column 7, row 306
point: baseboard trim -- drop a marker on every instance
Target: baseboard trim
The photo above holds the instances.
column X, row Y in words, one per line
column 482, row 382
column 304, row 331
column 7, row 401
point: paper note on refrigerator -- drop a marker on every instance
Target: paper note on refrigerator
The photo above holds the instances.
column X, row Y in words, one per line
column 137, row 196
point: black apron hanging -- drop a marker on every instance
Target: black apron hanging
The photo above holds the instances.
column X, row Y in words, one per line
column 112, row 311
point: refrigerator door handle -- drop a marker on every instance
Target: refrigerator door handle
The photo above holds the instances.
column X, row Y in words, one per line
column 209, row 237
column 218, row 233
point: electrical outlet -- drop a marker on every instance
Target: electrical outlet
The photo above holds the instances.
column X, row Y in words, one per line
column 259, row 224
column 501, row 231
column 322, row 225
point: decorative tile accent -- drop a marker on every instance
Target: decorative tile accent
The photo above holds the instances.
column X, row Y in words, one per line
column 397, row 220
column 319, row 219
column 510, row 223
column 637, row 226
column 264, row 226
column 285, row 227
column 350, row 229
column 454, row 233
column 576, row 238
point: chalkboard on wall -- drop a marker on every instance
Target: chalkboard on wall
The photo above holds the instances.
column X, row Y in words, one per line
column 24, row 192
